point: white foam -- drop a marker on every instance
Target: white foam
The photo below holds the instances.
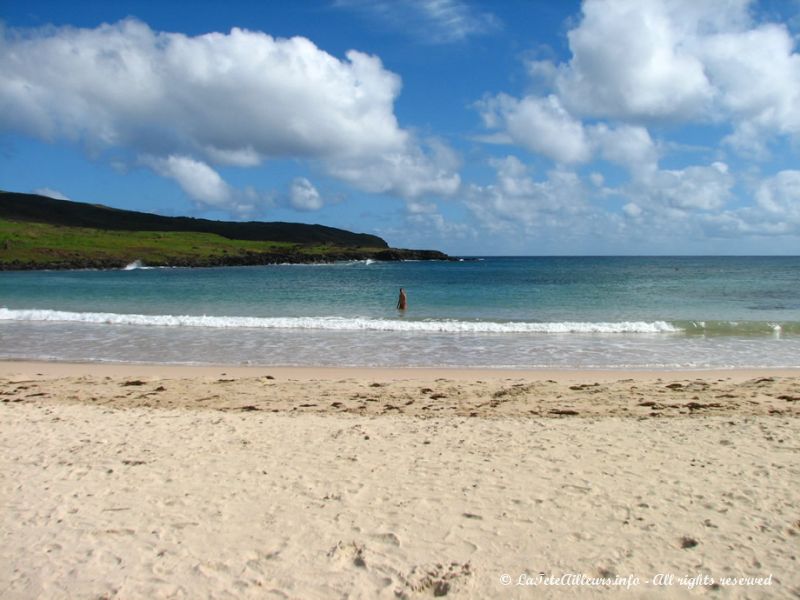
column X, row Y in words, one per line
column 137, row 264
column 338, row 323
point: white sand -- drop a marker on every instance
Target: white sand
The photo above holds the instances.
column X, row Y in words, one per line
column 110, row 497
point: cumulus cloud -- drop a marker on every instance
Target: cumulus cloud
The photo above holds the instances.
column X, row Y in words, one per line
column 780, row 196
column 641, row 66
column 695, row 188
column 660, row 206
column 757, row 74
column 538, row 124
column 432, row 224
column 629, row 146
column 517, row 200
column 197, row 179
column 304, row 196
column 631, row 58
column 683, row 61
column 543, row 126
column 776, row 211
column 50, row 193
column 632, row 209
column 419, row 169
column 656, row 206
column 232, row 99
column 236, row 97
column 671, row 60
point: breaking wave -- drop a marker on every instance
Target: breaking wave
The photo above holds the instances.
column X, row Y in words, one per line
column 135, row 265
column 692, row 328
column 337, row 323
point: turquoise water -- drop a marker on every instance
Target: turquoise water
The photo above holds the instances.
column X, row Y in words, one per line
column 593, row 312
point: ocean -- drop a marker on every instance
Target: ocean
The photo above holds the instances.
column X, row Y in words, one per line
column 496, row 312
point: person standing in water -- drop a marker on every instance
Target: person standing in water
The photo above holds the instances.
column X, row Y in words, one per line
column 402, row 301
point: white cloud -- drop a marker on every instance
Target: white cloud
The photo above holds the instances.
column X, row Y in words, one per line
column 780, row 195
column 676, row 199
column 758, row 78
column 241, row 157
column 433, row 225
column 626, row 145
column 412, row 172
column 430, row 21
column 540, row 125
column 304, row 196
column 635, row 61
column 651, row 65
column 217, row 99
column 50, row 193
column 543, row 71
column 632, row 209
column 673, row 209
column 658, row 206
column 683, row 60
column 630, row 58
column 516, row 200
column 694, row 188
column 242, row 95
column 197, row 179
column 425, row 227
column 543, row 126
column 775, row 213
column 416, row 207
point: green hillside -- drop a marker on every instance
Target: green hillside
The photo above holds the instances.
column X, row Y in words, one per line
column 41, row 209
column 42, row 233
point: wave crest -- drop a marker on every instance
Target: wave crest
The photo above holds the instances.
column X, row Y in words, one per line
column 338, row 323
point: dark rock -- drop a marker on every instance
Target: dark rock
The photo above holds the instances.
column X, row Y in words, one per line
column 687, row 542
column 441, row 588
column 789, row 398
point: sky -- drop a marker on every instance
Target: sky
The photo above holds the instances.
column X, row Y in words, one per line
column 515, row 127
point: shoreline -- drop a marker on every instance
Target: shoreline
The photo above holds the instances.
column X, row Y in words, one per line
column 249, row 259
column 57, row 369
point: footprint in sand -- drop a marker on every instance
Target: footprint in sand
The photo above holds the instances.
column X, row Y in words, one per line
column 387, row 538
column 439, row 579
column 352, row 552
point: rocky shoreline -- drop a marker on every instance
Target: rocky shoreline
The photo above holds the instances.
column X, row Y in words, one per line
column 237, row 260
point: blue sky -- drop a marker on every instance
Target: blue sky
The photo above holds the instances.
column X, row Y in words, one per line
column 514, row 127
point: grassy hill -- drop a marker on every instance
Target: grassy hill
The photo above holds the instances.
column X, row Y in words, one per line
column 41, row 209
column 38, row 232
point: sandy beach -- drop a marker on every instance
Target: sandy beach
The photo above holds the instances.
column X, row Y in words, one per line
column 140, row 481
